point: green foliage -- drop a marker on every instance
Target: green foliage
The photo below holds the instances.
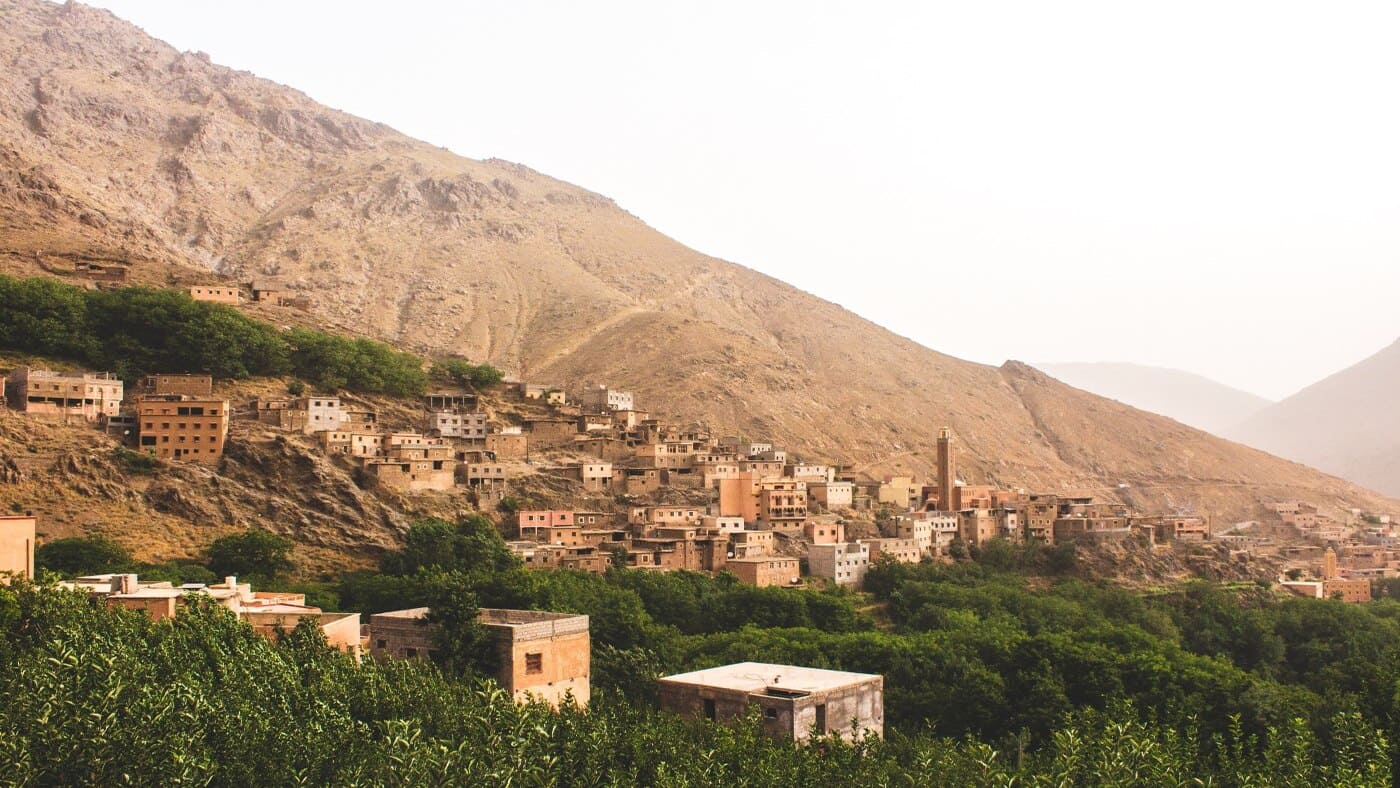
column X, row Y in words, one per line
column 94, row 695
column 334, row 362
column 83, row 555
column 465, row 373
column 256, row 553
column 470, row 545
column 296, row 388
column 138, row 330
column 136, row 462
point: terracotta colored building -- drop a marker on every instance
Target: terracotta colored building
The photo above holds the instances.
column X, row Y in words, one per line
column 543, row 656
column 764, row 571
column 217, row 294
column 178, row 428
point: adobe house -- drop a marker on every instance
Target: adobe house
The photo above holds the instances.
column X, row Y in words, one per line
column 183, row 385
column 795, row 702
column 414, row 467
column 216, row 294
column 100, row 272
column 551, row 433
column 543, row 656
column 766, row 570
column 507, row 446
column 269, row 292
column 17, row 545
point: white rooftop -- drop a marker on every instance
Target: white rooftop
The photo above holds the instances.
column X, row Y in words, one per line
column 758, row 676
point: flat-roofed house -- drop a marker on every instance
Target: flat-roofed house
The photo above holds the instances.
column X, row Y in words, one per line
column 180, row 428
column 88, row 396
column 543, row 656
column 794, row 702
column 766, row 570
column 217, row 294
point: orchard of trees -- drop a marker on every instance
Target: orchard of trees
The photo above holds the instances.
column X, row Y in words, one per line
column 95, row 695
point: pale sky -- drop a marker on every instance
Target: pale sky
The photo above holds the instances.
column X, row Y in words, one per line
column 1212, row 186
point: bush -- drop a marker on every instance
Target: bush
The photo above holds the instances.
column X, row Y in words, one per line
column 255, row 553
column 83, row 555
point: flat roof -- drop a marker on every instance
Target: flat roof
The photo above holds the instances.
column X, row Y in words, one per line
column 760, row 676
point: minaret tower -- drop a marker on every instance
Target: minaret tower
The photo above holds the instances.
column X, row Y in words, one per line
column 947, row 470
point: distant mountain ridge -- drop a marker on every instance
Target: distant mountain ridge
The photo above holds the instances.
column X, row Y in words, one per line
column 1347, row 424
column 1189, row 398
column 115, row 146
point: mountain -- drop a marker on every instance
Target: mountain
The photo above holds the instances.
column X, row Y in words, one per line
column 1190, row 399
column 117, row 146
column 1347, row 424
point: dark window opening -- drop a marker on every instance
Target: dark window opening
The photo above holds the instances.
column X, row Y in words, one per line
column 709, row 708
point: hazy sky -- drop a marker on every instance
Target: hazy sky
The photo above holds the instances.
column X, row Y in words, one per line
column 1213, row 186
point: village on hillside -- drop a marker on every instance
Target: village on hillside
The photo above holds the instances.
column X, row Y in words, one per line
column 646, row 494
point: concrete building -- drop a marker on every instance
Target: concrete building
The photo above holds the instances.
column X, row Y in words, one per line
column 845, row 564
column 217, row 294
column 795, row 702
column 751, row 544
column 782, row 504
column 88, row 396
column 599, row 399
column 904, row 551
column 322, row 413
column 543, row 656
column 179, row 428
column 831, row 495
column 467, row 426
column 824, row 533
column 17, row 545
column 764, row 571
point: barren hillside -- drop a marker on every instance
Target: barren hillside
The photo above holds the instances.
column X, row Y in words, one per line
column 1346, row 424
column 116, row 146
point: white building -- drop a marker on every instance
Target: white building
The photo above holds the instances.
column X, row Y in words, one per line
column 844, row 563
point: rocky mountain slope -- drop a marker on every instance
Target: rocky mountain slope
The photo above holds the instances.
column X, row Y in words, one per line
column 1347, row 424
column 1190, row 399
column 117, row 146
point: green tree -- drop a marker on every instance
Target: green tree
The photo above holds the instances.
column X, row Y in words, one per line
column 255, row 553
column 83, row 555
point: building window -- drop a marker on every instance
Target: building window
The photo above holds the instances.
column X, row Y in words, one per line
column 534, row 663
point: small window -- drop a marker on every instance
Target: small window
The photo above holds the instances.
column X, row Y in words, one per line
column 709, row 708
column 410, row 652
column 534, row 663
column 771, row 714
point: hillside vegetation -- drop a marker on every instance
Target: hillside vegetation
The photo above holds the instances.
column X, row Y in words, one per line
column 989, row 680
